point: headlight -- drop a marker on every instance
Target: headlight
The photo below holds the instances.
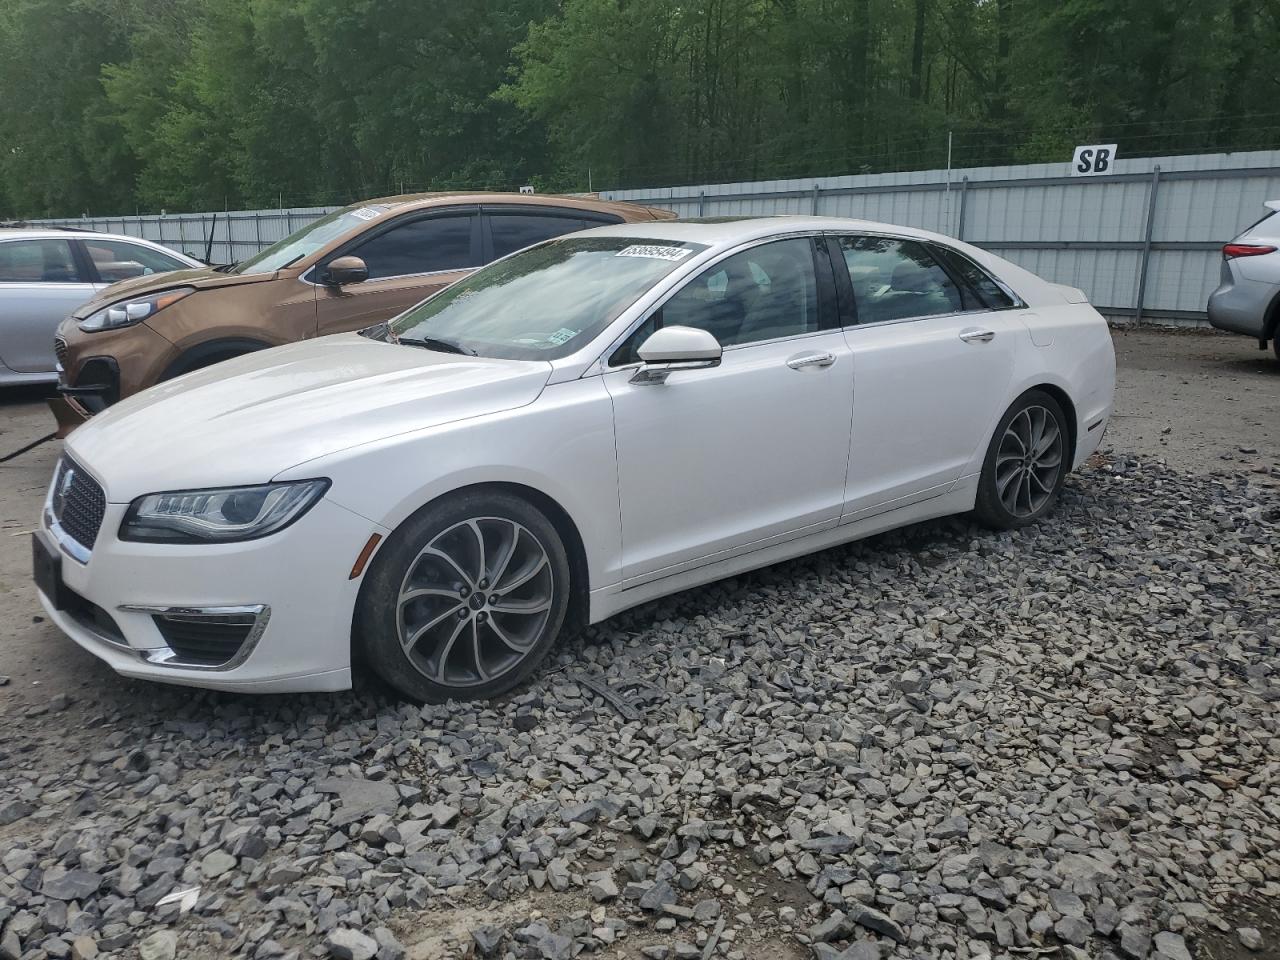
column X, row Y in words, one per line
column 219, row 515
column 128, row 312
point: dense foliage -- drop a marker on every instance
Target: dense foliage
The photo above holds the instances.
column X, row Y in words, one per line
column 111, row 106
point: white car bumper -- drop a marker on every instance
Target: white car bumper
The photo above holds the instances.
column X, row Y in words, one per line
column 291, row 592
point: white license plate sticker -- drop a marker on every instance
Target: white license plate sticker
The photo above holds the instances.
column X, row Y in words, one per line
column 654, row 252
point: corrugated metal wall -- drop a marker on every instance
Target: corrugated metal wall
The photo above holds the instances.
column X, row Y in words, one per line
column 226, row 237
column 1089, row 232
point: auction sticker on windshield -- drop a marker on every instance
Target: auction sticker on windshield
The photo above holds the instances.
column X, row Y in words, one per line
column 367, row 213
column 654, row 252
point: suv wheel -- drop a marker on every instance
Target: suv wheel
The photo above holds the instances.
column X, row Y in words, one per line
column 465, row 599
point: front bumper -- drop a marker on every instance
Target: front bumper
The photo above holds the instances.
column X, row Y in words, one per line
column 294, row 585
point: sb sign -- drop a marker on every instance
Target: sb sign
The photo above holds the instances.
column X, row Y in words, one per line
column 1093, row 160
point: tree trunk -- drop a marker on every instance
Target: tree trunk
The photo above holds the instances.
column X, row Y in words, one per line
column 917, row 51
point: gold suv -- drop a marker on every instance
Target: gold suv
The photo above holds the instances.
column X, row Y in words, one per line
column 356, row 266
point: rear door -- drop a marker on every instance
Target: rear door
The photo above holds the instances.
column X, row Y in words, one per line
column 932, row 364
column 409, row 259
column 41, row 282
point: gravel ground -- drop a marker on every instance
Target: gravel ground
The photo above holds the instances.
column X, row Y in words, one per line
column 940, row 742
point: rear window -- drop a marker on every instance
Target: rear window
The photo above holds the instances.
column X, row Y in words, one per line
column 514, row 231
column 991, row 295
column 1268, row 226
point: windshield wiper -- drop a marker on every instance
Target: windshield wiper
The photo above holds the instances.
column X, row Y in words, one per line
column 435, row 343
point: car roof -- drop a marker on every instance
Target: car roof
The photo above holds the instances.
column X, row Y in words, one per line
column 452, row 197
column 44, row 233
column 725, row 231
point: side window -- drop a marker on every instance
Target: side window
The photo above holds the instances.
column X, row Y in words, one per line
column 419, row 246
column 764, row 293
column 37, row 261
column 514, row 231
column 897, row 280
column 990, row 294
column 118, row 260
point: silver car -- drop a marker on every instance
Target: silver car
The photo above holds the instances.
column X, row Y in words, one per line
column 1248, row 298
column 46, row 274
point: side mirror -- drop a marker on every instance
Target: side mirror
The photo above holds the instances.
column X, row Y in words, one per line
column 669, row 349
column 345, row 270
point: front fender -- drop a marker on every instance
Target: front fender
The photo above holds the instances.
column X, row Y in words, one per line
column 561, row 445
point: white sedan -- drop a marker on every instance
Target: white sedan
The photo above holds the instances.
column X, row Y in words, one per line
column 590, row 423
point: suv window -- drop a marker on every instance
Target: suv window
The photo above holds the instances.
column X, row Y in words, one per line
column 989, row 294
column 514, row 231
column 37, row 261
column 764, row 293
column 424, row 245
column 118, row 260
column 897, row 280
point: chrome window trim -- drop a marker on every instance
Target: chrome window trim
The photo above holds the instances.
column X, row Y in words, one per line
column 164, row 655
column 601, row 365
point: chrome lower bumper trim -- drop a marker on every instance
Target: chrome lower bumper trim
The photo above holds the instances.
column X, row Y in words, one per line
column 166, row 657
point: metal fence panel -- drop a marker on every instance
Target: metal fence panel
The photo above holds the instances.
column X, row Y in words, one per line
column 1088, row 232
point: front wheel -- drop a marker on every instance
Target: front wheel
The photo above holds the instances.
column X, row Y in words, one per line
column 465, row 599
column 1026, row 463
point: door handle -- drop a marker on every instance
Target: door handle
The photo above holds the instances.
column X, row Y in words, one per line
column 974, row 335
column 811, row 360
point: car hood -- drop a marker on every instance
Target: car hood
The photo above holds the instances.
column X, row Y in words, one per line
column 245, row 420
column 202, row 278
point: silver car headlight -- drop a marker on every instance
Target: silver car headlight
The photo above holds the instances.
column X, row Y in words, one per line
column 220, row 514
column 128, row 312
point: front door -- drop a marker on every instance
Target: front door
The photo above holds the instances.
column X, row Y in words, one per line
column 930, row 374
column 718, row 462
column 408, row 261
column 40, row 284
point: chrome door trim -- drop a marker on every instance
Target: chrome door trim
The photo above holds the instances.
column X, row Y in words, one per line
column 824, row 359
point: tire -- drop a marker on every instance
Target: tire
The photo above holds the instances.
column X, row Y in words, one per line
column 455, row 639
column 1015, row 491
column 1275, row 345
column 207, row 354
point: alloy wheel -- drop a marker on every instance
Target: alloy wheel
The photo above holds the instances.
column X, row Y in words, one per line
column 474, row 601
column 1029, row 461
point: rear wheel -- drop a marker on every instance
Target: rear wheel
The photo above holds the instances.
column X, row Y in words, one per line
column 465, row 599
column 1026, row 463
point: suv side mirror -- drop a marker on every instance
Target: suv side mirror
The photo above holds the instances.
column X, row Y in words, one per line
column 669, row 349
column 345, row 270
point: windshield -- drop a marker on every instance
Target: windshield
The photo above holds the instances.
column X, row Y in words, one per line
column 545, row 302
column 304, row 242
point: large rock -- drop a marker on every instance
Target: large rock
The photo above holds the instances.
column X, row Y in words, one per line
column 161, row 945
column 347, row 944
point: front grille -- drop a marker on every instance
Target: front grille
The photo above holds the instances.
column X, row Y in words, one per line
column 205, row 639
column 78, row 503
column 60, row 350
